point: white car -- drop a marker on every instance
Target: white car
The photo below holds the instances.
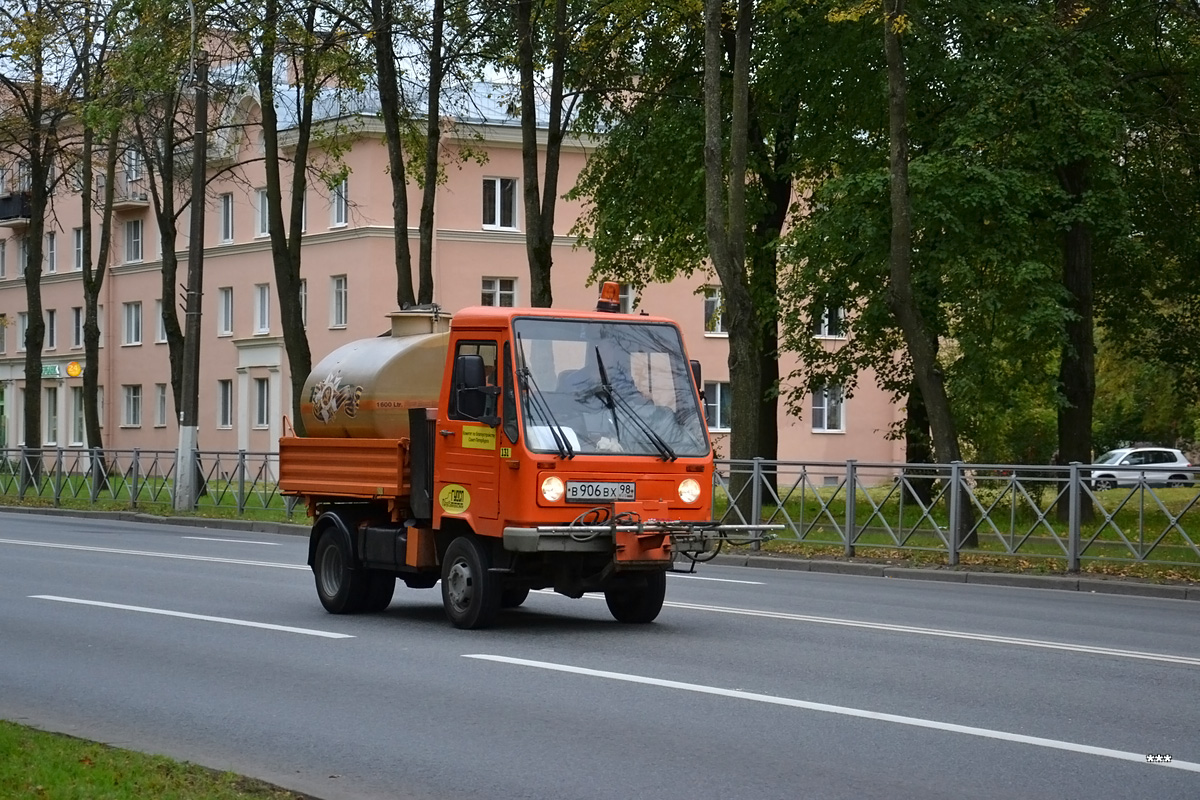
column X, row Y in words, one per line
column 1130, row 466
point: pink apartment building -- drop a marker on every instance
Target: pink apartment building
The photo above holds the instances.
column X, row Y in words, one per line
column 478, row 257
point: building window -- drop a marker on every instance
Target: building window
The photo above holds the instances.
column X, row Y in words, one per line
column 264, row 217
column 160, row 327
column 133, row 323
column 133, row 406
column 227, row 218
column 3, row 332
column 133, row 165
column 78, row 235
column 499, row 292
column 341, row 202
column 831, row 324
column 304, row 302
column 22, row 329
column 628, row 298
column 717, row 406
column 77, row 327
column 51, row 329
column 160, row 405
column 52, row 252
column 338, row 308
column 828, row 409
column 225, row 311
column 22, row 256
column 133, row 241
column 224, row 404
column 262, row 402
column 500, row 203
column 262, row 308
column 77, row 423
column 3, row 257
column 51, row 410
column 714, row 310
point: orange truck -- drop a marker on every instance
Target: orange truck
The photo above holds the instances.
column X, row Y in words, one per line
column 506, row 450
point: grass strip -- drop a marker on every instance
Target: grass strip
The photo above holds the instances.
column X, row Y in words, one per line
column 38, row 765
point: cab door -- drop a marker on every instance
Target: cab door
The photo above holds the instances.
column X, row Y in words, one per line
column 467, row 452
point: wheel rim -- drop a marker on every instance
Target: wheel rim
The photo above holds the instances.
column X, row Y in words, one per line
column 332, row 567
column 460, row 585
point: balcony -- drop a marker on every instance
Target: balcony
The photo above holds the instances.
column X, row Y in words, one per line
column 15, row 210
column 132, row 198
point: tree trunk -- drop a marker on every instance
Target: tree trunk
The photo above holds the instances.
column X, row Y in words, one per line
column 433, row 142
column 382, row 14
column 918, row 448
column 539, row 205
column 1077, row 368
column 918, row 336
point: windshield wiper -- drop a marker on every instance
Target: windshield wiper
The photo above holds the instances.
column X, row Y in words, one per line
column 538, row 402
column 660, row 444
column 607, row 390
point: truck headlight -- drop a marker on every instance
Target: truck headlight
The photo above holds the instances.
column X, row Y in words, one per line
column 689, row 490
column 552, row 489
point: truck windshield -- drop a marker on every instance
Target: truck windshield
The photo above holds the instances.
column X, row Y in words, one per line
column 612, row 388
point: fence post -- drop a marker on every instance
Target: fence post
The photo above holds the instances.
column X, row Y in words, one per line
column 241, row 503
column 58, row 476
column 955, row 511
column 1074, row 495
column 851, row 502
column 137, row 462
column 756, row 496
column 23, row 481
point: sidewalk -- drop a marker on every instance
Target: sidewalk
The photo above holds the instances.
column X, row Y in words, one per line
column 1077, row 583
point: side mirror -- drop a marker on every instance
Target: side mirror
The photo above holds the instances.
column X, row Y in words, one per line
column 696, row 377
column 471, row 392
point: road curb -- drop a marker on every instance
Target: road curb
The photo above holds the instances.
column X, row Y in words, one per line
column 761, row 561
column 951, row 575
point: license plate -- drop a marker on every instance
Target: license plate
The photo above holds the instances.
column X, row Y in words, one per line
column 599, row 491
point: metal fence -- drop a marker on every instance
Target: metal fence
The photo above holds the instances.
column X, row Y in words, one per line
column 1001, row 510
column 232, row 483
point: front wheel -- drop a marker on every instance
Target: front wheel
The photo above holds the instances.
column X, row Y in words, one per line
column 638, row 600
column 342, row 589
column 470, row 594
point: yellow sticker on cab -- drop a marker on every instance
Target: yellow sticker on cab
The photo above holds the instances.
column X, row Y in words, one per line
column 454, row 499
column 479, row 437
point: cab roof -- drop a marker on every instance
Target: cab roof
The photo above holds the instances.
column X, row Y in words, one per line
column 497, row 317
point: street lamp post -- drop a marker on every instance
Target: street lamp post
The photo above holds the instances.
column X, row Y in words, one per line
column 187, row 478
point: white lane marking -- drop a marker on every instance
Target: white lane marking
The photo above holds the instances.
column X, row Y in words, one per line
column 916, row 722
column 910, row 629
column 201, row 617
column 977, row 637
column 231, row 541
column 151, row 554
column 718, row 580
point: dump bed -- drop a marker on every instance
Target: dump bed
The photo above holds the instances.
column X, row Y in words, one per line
column 326, row 467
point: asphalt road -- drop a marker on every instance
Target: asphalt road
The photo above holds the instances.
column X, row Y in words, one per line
column 211, row 646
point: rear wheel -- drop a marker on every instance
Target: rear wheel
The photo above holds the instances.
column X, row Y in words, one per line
column 470, row 594
column 1103, row 484
column 1177, row 482
column 380, row 588
column 638, row 599
column 342, row 589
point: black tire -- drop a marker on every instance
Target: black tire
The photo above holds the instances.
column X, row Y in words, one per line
column 421, row 581
column 513, row 596
column 1104, row 484
column 470, row 594
column 1177, row 482
column 638, row 599
column 342, row 589
column 380, row 588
